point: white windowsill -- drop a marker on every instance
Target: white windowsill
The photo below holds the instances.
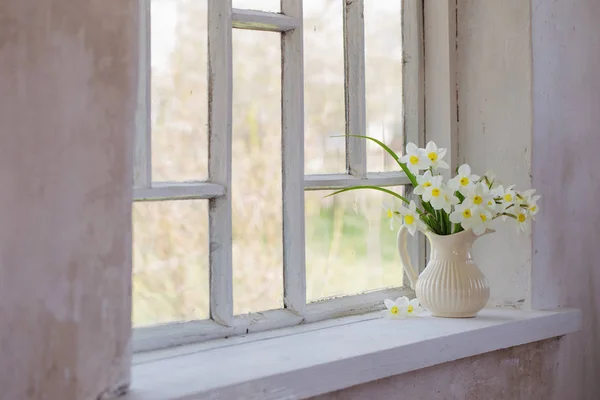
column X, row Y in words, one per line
column 305, row 361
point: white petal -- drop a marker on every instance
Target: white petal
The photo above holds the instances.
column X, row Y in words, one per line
column 402, row 302
column 453, row 183
column 442, row 164
column 412, row 206
column 431, row 147
column 412, row 229
column 456, row 217
column 414, row 302
column 442, row 152
column 411, row 148
column 464, row 170
column 389, row 303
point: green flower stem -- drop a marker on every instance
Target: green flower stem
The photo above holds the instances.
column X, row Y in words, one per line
column 404, row 199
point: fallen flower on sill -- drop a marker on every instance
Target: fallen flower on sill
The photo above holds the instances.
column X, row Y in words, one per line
column 402, row 308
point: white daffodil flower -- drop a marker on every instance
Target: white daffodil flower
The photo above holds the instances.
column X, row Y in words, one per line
column 392, row 214
column 450, row 199
column 470, row 217
column 490, row 180
column 463, row 180
column 424, row 181
column 414, row 308
column 479, row 196
column 396, row 309
column 521, row 217
column 402, row 308
column 481, row 220
column 435, row 155
column 531, row 200
column 508, row 195
column 411, row 217
column 415, row 158
column 434, row 193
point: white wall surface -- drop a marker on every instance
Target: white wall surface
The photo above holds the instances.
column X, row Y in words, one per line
column 494, row 126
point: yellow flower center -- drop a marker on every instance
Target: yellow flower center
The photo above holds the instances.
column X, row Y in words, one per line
column 435, row 192
column 467, row 213
column 394, row 310
column 490, row 203
column 410, row 309
column 533, row 208
column 414, row 159
column 464, row 181
column 508, row 197
column 432, row 156
column 390, row 213
column 522, row 217
column 483, row 217
column 477, row 200
column 427, row 184
column 409, row 219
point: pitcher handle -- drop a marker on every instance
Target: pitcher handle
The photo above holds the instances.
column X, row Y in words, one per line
column 405, row 258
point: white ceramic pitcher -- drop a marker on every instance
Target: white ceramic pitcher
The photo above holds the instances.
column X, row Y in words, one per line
column 451, row 285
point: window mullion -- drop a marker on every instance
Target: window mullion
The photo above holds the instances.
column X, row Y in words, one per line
column 413, row 99
column 219, row 158
column 292, row 121
column 354, row 67
column 142, row 176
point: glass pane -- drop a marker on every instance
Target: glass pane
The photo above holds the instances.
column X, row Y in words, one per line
column 256, row 189
column 324, row 114
column 350, row 247
column 170, row 261
column 179, row 90
column 262, row 5
column 383, row 74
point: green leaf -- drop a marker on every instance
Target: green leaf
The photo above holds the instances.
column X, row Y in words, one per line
column 404, row 199
column 411, row 177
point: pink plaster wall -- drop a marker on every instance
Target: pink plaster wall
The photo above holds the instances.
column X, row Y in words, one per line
column 566, row 170
column 519, row 373
column 67, row 106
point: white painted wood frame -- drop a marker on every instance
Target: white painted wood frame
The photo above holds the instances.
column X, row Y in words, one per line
column 142, row 169
column 222, row 19
column 292, row 156
column 220, row 83
column 413, row 100
column 174, row 334
column 337, row 181
column 441, row 117
column 263, row 21
column 354, row 93
column 178, row 191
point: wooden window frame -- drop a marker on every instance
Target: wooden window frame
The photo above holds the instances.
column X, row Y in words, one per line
column 221, row 20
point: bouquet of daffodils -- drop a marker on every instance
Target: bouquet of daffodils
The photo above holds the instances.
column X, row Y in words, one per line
column 466, row 201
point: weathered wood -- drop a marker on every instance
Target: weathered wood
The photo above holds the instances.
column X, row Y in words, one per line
column 338, row 181
column 263, row 21
column 176, row 334
column 440, row 75
column 413, row 72
column 413, row 100
column 333, row 358
column 355, row 100
column 142, row 171
column 219, row 158
column 292, row 156
column 178, row 191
